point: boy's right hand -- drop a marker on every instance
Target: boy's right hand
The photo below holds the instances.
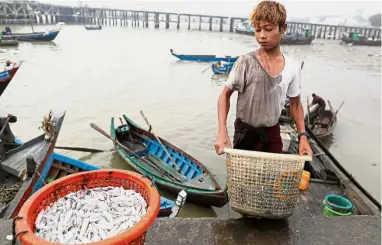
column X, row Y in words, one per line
column 222, row 141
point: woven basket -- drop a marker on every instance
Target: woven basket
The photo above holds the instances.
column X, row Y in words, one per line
column 263, row 185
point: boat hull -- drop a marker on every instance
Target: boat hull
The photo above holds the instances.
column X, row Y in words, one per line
column 9, row 43
column 195, row 195
column 6, row 78
column 42, row 151
column 37, row 36
column 204, row 58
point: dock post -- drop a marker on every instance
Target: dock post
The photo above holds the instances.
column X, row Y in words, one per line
column 210, row 24
column 178, row 23
column 167, row 21
column 221, row 24
column 189, row 22
column 200, row 23
column 231, row 23
column 156, row 20
column 335, row 32
column 147, row 19
column 137, row 13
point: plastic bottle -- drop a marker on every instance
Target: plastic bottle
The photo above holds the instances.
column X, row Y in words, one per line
column 304, row 180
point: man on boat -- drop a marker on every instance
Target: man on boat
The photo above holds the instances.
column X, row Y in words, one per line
column 263, row 79
column 9, row 65
column 320, row 102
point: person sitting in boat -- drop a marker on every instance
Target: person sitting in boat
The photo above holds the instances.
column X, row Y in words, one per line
column 263, row 79
column 320, row 102
column 9, row 65
column 218, row 64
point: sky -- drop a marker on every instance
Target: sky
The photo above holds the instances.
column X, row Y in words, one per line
column 295, row 9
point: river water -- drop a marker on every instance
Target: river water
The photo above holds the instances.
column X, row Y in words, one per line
column 96, row 75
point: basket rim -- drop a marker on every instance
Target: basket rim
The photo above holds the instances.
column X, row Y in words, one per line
column 268, row 155
column 122, row 238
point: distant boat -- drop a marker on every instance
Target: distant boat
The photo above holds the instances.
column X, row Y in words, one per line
column 204, row 58
column 219, row 68
column 355, row 38
column 245, row 27
column 9, row 42
column 90, row 28
column 33, row 36
column 7, row 76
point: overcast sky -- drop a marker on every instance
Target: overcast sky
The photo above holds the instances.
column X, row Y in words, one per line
column 241, row 8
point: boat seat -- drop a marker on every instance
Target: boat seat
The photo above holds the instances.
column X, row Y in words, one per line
column 136, row 148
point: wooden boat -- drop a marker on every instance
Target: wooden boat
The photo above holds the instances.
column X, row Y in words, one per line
column 324, row 125
column 21, row 166
column 90, row 28
column 355, row 38
column 245, row 28
column 328, row 177
column 218, row 68
column 203, row 58
column 7, row 76
column 9, row 43
column 33, row 36
column 301, row 37
column 191, row 176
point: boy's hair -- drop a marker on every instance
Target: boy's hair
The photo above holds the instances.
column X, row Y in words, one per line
column 269, row 11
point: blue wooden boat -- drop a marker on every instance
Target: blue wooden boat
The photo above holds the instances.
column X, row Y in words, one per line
column 203, row 58
column 7, row 76
column 189, row 174
column 33, row 36
column 219, row 68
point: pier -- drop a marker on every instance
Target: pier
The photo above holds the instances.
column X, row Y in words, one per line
column 23, row 12
column 351, row 230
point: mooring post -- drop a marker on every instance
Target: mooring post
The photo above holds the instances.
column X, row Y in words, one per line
column 231, row 23
column 167, row 21
column 189, row 22
column 221, row 25
column 178, row 23
column 200, row 23
column 210, row 24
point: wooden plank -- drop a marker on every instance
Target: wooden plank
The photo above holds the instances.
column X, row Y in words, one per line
column 53, row 172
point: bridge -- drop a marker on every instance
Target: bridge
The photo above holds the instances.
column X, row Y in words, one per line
column 27, row 12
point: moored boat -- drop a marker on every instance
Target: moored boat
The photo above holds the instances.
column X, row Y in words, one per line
column 355, row 38
column 9, row 43
column 219, row 68
column 328, row 179
column 90, row 28
column 245, row 27
column 7, row 76
column 186, row 174
column 32, row 36
column 21, row 166
column 203, row 58
column 302, row 37
column 323, row 125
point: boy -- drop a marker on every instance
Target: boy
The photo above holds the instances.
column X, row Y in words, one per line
column 263, row 79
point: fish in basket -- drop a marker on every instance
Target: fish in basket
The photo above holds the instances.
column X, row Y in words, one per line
column 102, row 206
column 263, row 185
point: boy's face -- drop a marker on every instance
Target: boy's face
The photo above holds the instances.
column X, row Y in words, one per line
column 269, row 35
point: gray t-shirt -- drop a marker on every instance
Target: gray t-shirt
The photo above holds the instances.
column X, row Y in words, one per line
column 261, row 96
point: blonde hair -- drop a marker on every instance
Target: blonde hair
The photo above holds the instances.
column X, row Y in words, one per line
column 269, row 11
